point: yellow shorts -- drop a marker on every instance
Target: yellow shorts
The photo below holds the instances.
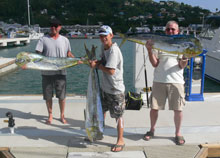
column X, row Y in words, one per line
column 173, row 92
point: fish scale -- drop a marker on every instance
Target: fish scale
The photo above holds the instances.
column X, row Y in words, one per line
column 175, row 44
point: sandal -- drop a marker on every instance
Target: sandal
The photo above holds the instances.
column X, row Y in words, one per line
column 117, row 146
column 179, row 140
column 149, row 134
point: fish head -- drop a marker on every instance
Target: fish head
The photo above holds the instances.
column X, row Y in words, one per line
column 193, row 47
column 22, row 59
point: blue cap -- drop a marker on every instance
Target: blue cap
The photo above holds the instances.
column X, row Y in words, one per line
column 105, row 30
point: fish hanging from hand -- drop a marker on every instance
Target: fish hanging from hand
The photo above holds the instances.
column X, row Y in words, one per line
column 40, row 62
column 175, row 44
column 94, row 118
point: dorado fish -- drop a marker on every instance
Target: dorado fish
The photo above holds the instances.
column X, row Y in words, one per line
column 94, row 119
column 175, row 44
column 40, row 62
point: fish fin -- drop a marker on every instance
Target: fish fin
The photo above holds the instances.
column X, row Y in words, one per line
column 136, row 41
column 123, row 39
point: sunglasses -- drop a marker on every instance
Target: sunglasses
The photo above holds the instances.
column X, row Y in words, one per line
column 172, row 29
column 54, row 25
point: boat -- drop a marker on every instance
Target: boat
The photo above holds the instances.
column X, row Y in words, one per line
column 210, row 38
column 34, row 35
column 33, row 32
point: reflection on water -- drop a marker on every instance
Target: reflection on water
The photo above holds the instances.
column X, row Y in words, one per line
column 29, row 81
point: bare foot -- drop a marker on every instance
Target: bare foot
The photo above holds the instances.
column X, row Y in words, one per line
column 63, row 120
column 49, row 120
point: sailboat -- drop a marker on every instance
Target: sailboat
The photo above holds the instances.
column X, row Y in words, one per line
column 33, row 32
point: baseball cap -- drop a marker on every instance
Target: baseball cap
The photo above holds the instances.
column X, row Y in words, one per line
column 55, row 22
column 105, row 30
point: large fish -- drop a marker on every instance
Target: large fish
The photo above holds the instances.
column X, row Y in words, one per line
column 39, row 62
column 94, row 119
column 175, row 44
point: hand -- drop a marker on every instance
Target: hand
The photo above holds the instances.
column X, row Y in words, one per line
column 80, row 62
column 184, row 58
column 149, row 44
column 24, row 67
column 93, row 63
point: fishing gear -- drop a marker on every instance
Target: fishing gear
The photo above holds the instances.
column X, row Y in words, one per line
column 145, row 74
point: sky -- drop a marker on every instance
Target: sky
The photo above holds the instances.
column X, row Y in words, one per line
column 205, row 4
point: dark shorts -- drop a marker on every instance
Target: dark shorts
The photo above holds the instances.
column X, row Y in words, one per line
column 114, row 103
column 51, row 82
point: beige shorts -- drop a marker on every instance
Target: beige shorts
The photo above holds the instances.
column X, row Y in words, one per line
column 163, row 91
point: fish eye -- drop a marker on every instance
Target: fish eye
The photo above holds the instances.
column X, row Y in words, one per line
column 19, row 60
column 191, row 44
column 188, row 44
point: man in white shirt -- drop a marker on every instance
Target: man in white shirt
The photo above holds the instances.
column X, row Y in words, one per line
column 168, row 84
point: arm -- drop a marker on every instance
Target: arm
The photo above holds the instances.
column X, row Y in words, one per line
column 69, row 54
column 109, row 71
column 152, row 57
column 98, row 65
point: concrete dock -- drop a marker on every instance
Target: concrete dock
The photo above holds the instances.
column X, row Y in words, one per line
column 13, row 41
column 7, row 65
column 32, row 137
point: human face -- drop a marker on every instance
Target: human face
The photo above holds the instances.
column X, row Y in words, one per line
column 55, row 29
column 106, row 40
column 172, row 29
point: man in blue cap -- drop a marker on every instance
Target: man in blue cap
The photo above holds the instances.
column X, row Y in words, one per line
column 113, row 98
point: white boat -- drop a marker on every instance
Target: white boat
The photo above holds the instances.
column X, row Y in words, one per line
column 210, row 38
column 34, row 35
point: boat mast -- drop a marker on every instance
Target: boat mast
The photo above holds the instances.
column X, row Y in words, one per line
column 28, row 7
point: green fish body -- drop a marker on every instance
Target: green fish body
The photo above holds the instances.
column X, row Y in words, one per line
column 40, row 62
column 174, row 44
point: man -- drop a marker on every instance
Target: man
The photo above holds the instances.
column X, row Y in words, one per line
column 113, row 98
column 54, row 45
column 168, row 84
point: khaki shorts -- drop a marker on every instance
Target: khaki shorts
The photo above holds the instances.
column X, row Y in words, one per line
column 163, row 91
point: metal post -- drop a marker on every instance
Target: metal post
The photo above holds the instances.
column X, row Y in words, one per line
column 28, row 7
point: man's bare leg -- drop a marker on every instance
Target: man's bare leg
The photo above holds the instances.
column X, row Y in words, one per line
column 62, row 104
column 49, row 104
column 120, row 141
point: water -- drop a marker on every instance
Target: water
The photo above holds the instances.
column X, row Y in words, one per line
column 29, row 81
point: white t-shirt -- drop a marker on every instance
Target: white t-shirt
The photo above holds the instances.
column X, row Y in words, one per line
column 53, row 48
column 168, row 70
column 112, row 58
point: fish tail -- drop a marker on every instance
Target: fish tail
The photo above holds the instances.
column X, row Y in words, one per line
column 90, row 54
column 124, row 39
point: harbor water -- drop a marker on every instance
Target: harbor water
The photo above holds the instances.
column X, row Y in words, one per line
column 29, row 81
